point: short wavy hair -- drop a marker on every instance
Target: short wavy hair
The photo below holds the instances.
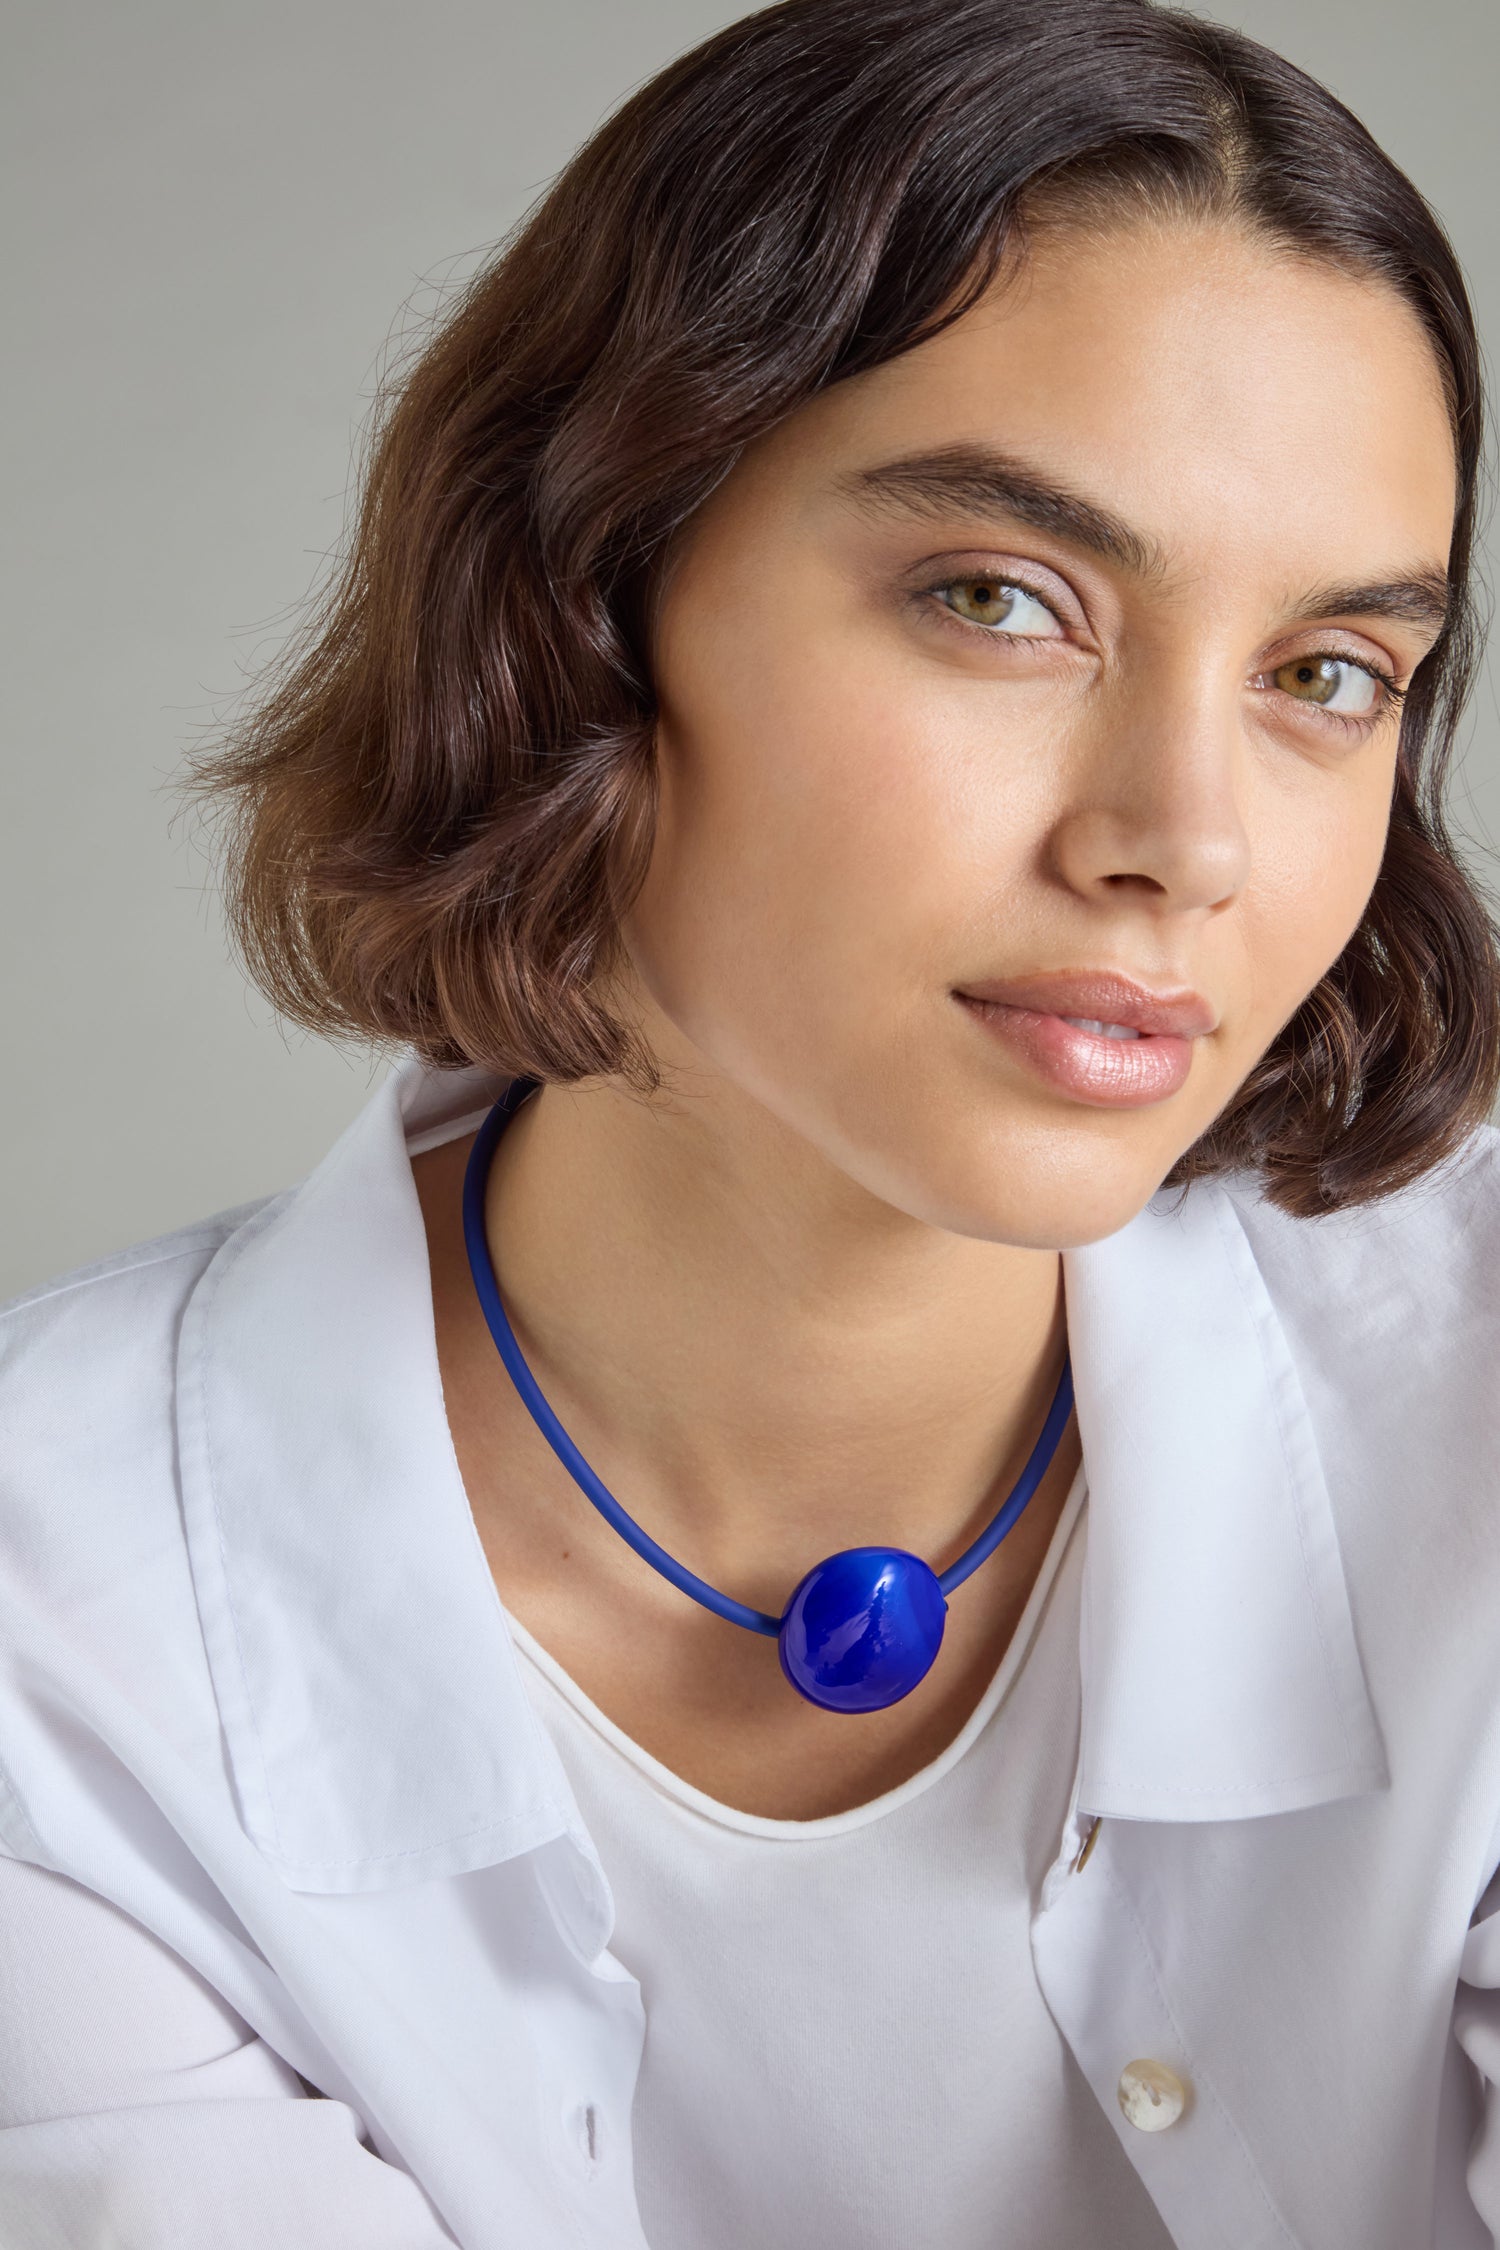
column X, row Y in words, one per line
column 442, row 803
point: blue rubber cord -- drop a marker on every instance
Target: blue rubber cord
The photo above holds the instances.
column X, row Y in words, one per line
column 687, row 1581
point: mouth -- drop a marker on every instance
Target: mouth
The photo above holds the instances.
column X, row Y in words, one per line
column 1094, row 1036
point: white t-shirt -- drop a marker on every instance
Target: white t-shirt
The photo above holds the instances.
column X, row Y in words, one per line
column 846, row 2047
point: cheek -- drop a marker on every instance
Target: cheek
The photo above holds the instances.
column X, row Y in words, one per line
column 822, row 831
column 1317, row 858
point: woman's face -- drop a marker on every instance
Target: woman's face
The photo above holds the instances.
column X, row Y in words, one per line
column 1067, row 646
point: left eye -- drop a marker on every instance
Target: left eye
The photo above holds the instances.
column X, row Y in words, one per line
column 1335, row 683
column 1005, row 609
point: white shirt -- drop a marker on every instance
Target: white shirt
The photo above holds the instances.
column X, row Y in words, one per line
column 279, row 1816
column 846, row 2047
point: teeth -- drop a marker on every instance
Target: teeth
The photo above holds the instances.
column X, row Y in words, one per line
column 1105, row 1030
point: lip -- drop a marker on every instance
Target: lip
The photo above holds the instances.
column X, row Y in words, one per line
column 1027, row 1015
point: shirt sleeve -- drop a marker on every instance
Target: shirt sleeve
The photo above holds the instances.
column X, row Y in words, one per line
column 138, row 2111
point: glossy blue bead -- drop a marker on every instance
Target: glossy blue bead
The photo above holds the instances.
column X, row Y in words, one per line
column 862, row 1629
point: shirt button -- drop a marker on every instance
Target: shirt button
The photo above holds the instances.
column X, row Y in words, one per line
column 1151, row 2096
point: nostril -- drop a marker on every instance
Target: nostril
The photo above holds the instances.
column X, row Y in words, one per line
column 1127, row 880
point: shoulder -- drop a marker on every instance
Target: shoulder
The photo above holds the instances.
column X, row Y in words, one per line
column 87, row 1373
column 1391, row 1312
column 146, row 1271
column 1416, row 1273
column 97, row 1608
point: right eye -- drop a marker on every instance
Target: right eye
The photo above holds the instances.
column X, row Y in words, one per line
column 1001, row 607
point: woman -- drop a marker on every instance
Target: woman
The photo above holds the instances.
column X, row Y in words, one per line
column 880, row 746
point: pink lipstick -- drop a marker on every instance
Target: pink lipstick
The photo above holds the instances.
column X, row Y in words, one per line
column 1094, row 1035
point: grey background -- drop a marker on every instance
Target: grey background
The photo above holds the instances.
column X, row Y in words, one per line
column 213, row 218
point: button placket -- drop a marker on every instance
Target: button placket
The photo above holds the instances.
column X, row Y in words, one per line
column 1096, row 1953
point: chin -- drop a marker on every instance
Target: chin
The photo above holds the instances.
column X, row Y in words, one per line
column 1057, row 1215
column 1069, row 1226
column 1034, row 1186
column 1060, row 1180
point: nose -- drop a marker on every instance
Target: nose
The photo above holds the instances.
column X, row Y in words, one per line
column 1155, row 811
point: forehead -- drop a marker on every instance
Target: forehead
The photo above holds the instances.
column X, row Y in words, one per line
column 1239, row 404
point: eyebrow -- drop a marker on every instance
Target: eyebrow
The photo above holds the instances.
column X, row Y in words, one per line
column 1420, row 600
column 989, row 483
column 986, row 482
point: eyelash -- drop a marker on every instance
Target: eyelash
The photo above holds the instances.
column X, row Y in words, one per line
column 1393, row 695
column 1391, row 699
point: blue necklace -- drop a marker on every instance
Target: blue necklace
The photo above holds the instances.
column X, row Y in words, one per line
column 864, row 1625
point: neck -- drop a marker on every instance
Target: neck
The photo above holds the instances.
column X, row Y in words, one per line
column 750, row 1348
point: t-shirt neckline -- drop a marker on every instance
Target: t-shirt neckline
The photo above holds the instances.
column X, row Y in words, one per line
column 697, row 1801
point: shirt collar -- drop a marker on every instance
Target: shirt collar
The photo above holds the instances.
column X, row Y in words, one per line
column 1221, row 1676
column 375, row 1719
column 374, row 1716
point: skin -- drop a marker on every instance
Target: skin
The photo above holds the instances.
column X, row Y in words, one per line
column 810, row 1296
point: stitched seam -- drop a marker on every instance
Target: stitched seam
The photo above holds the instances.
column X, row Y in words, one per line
column 1255, row 1788
column 1199, row 2077
column 442, row 1843
column 311, row 1191
column 1229, row 1227
column 189, row 1247
column 213, row 1281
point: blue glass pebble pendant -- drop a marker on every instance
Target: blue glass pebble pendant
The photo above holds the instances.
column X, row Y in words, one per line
column 864, row 1627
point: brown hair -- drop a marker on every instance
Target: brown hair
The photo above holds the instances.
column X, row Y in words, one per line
column 445, row 801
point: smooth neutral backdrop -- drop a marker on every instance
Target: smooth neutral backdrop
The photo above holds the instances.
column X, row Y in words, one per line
column 215, row 218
